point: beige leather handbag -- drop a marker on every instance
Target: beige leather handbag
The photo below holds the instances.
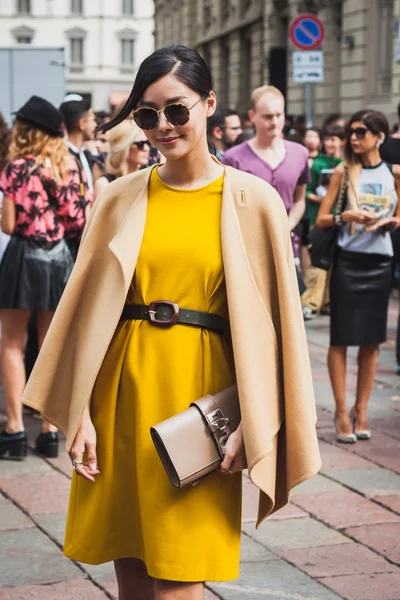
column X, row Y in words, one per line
column 192, row 444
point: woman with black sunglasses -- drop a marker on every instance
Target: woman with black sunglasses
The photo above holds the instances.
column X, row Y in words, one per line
column 362, row 273
column 129, row 151
column 185, row 284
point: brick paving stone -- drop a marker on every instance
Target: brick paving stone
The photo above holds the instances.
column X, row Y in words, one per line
column 344, row 509
column 53, row 525
column 249, row 501
column 31, row 465
column 62, row 463
column 383, row 586
column 294, row 533
column 324, row 418
column 29, row 557
column 389, row 427
column 100, row 573
column 111, row 587
column 39, row 493
column 78, row 590
column 316, row 484
column 11, row 517
column 384, row 538
column 272, row 581
column 392, row 502
column 290, row 511
column 370, row 482
column 341, row 559
column 381, row 450
column 252, row 551
column 334, row 458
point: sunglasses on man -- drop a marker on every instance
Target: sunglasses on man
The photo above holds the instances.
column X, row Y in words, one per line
column 177, row 114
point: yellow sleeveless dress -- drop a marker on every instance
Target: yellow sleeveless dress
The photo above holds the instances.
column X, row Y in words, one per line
column 148, row 375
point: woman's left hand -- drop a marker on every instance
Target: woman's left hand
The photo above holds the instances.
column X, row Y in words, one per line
column 235, row 455
column 388, row 224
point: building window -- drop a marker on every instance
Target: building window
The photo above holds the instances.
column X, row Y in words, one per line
column 127, row 56
column 77, row 7
column 128, row 8
column 77, row 54
column 24, row 7
column 23, row 34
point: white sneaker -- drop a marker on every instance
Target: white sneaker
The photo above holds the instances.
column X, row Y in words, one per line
column 309, row 313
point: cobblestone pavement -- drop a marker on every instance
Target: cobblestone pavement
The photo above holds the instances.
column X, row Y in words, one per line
column 338, row 538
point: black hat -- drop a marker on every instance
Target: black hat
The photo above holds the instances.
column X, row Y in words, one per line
column 43, row 115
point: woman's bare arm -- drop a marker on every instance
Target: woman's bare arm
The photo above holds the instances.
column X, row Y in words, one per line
column 8, row 216
column 325, row 217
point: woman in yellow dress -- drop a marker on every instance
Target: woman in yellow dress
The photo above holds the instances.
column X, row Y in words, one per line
column 212, row 240
column 150, row 373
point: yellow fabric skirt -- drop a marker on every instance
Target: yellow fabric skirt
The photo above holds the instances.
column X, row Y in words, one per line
column 148, row 375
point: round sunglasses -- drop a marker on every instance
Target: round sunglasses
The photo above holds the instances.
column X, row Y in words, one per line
column 142, row 145
column 177, row 114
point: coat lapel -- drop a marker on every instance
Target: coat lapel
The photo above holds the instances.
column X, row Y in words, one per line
column 126, row 243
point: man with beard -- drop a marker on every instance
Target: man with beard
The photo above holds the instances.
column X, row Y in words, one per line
column 224, row 127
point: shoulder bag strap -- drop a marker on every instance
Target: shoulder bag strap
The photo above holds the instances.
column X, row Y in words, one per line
column 342, row 191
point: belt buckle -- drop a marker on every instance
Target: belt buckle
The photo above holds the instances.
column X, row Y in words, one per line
column 152, row 310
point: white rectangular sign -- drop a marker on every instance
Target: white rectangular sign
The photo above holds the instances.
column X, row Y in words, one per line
column 308, row 66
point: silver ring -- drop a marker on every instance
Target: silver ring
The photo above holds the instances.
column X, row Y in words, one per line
column 76, row 465
column 230, row 472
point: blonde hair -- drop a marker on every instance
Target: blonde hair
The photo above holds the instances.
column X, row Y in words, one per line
column 48, row 151
column 265, row 90
column 121, row 137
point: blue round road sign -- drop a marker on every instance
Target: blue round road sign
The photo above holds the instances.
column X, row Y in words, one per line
column 307, row 32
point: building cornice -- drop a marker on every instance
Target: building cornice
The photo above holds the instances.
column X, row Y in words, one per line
column 227, row 30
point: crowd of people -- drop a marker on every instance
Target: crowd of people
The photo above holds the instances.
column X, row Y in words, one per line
column 53, row 167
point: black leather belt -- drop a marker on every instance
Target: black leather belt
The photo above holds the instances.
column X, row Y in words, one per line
column 163, row 313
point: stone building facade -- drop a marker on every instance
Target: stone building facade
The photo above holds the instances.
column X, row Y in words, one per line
column 104, row 41
column 246, row 43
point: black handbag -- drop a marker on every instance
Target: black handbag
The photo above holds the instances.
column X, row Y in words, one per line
column 323, row 242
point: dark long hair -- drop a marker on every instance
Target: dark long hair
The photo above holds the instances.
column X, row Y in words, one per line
column 376, row 123
column 185, row 63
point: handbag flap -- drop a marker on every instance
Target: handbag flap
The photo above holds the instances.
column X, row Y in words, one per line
column 185, row 445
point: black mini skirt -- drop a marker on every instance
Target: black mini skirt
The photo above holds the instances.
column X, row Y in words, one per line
column 359, row 296
column 33, row 277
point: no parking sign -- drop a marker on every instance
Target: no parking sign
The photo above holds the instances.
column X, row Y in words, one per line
column 307, row 32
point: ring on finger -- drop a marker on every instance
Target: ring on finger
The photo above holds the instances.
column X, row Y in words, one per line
column 230, row 472
column 76, row 465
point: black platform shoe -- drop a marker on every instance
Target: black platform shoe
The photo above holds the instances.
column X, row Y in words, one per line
column 46, row 444
column 14, row 445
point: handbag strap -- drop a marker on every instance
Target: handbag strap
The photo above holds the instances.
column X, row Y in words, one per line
column 342, row 191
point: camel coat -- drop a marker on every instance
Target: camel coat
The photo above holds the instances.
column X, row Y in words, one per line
column 268, row 337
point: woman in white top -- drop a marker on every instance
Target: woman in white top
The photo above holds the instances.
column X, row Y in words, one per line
column 362, row 272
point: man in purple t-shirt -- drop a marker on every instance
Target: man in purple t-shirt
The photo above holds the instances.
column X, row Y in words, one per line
column 281, row 163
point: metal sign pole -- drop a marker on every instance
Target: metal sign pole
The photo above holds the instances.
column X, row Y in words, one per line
column 309, row 117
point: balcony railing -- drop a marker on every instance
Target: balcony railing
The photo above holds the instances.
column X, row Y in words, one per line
column 76, row 68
